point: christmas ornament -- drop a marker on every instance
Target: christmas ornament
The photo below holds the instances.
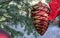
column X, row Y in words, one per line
column 40, row 13
column 55, row 9
column 4, row 34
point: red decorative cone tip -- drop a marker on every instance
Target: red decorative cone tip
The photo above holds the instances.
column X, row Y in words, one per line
column 3, row 34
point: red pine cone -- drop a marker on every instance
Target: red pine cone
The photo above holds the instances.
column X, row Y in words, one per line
column 40, row 13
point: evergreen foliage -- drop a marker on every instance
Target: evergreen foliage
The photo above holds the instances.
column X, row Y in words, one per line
column 14, row 12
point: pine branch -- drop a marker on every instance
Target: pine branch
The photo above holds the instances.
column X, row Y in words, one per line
column 4, row 1
column 12, row 31
column 10, row 13
column 48, row 1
